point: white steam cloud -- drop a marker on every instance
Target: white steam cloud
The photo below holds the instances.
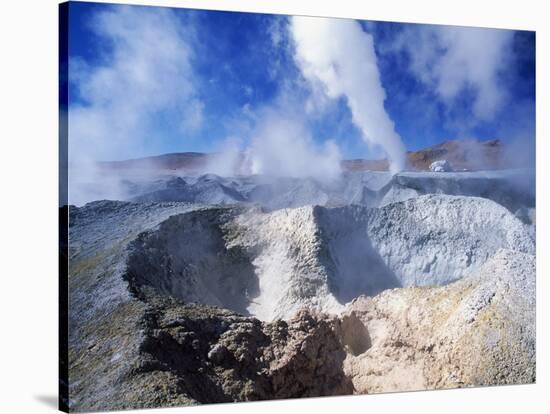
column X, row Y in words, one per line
column 145, row 71
column 340, row 55
column 280, row 145
column 283, row 146
column 452, row 59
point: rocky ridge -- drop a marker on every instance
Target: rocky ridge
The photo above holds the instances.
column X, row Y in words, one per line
column 513, row 189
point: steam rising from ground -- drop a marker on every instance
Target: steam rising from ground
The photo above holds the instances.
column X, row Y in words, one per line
column 284, row 146
column 136, row 83
column 281, row 145
column 120, row 98
column 136, row 80
column 340, row 55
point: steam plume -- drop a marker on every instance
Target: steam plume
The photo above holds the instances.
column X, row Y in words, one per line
column 340, row 55
column 451, row 59
column 283, row 145
column 146, row 70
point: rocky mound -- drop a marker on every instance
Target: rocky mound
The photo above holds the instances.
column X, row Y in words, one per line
column 478, row 331
column 513, row 189
column 441, row 166
column 270, row 265
column 434, row 239
column 206, row 189
column 134, row 346
column 175, row 303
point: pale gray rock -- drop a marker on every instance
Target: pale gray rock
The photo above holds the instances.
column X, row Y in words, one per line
column 478, row 331
column 513, row 189
column 441, row 166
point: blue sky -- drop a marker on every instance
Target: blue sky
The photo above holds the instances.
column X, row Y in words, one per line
column 203, row 79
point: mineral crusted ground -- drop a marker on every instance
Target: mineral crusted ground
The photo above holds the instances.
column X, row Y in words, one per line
column 419, row 281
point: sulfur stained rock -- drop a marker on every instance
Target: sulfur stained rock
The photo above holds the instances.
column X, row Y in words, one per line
column 478, row 331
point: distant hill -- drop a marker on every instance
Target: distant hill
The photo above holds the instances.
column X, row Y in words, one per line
column 462, row 154
column 467, row 154
column 176, row 161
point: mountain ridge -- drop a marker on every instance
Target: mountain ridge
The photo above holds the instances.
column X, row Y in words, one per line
column 463, row 154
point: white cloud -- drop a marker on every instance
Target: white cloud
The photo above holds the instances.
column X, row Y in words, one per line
column 338, row 55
